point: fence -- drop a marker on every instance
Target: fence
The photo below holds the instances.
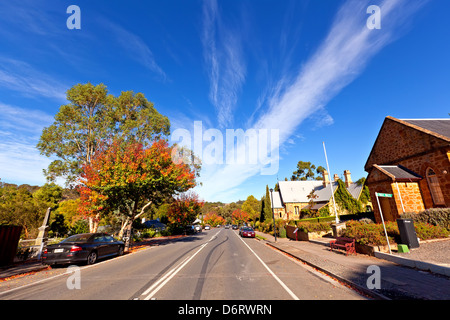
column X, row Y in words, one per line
column 9, row 239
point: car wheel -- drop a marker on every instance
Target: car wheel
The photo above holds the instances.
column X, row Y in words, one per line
column 92, row 257
column 120, row 251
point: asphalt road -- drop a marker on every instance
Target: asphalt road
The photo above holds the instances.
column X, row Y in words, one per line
column 212, row 265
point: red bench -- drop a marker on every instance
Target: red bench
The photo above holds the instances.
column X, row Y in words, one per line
column 341, row 243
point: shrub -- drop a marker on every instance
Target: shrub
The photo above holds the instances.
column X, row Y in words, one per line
column 366, row 221
column 282, row 232
column 314, row 227
column 427, row 231
column 436, row 217
column 370, row 234
column 373, row 234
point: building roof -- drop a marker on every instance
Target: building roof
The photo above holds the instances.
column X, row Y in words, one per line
column 298, row 191
column 277, row 204
column 355, row 189
column 398, row 173
column 438, row 126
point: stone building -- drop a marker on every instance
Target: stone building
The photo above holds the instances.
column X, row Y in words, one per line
column 411, row 160
column 292, row 197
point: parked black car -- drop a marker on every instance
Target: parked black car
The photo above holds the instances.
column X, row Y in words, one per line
column 82, row 248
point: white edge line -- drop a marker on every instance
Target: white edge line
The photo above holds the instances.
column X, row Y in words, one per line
column 285, row 287
column 68, row 273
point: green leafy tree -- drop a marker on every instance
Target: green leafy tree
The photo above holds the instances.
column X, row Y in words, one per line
column 252, row 207
column 48, row 196
column 307, row 171
column 18, row 207
column 92, row 116
column 267, row 206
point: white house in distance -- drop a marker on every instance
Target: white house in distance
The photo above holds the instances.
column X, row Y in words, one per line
column 292, row 196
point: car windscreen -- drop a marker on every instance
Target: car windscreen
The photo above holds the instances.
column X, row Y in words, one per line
column 247, row 229
column 78, row 238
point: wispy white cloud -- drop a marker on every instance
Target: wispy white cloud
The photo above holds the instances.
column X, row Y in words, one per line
column 22, row 77
column 222, row 49
column 20, row 129
column 340, row 58
column 135, row 47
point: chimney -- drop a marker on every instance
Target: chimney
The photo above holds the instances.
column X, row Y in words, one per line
column 326, row 178
column 348, row 178
column 336, row 177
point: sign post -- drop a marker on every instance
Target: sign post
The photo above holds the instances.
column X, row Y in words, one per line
column 383, row 195
column 296, row 234
column 331, row 184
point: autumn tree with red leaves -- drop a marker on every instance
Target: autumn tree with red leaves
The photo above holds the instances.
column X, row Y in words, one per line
column 239, row 217
column 184, row 210
column 213, row 219
column 128, row 177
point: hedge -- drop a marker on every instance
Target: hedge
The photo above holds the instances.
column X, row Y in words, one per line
column 437, row 217
column 373, row 234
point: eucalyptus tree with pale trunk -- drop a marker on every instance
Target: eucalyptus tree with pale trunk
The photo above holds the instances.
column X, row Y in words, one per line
column 92, row 117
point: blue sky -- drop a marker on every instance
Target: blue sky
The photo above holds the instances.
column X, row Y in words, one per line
column 310, row 69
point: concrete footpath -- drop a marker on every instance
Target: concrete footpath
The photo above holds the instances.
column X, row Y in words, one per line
column 400, row 277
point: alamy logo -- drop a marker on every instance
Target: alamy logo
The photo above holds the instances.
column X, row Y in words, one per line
column 374, row 281
column 74, row 280
column 74, row 20
column 238, row 147
column 374, row 21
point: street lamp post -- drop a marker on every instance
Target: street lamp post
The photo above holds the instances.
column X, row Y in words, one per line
column 273, row 215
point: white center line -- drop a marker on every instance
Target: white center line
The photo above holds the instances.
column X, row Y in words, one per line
column 169, row 275
column 285, row 287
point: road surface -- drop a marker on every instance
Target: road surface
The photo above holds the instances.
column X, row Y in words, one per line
column 212, row 265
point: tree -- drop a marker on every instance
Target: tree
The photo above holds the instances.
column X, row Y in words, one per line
column 18, row 206
column 213, row 219
column 306, row 171
column 69, row 209
column 127, row 177
column 93, row 116
column 267, row 206
column 49, row 195
column 184, row 210
column 239, row 217
column 252, row 207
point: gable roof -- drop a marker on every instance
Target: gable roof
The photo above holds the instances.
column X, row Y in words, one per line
column 439, row 128
column 277, row 204
column 398, row 173
column 298, row 191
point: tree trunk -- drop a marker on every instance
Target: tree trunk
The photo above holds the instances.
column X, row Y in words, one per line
column 125, row 233
column 124, row 225
column 93, row 223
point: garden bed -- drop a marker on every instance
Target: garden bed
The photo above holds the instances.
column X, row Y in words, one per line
column 370, row 237
column 304, row 234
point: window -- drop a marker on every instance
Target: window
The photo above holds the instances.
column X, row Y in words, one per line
column 99, row 238
column 435, row 189
column 297, row 210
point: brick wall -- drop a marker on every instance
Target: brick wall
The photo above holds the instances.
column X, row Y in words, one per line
column 410, row 196
column 399, row 144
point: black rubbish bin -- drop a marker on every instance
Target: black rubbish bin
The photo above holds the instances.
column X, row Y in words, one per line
column 408, row 233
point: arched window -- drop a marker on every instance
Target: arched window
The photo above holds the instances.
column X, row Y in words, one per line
column 435, row 189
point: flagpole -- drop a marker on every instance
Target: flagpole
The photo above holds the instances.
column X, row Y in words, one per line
column 331, row 183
